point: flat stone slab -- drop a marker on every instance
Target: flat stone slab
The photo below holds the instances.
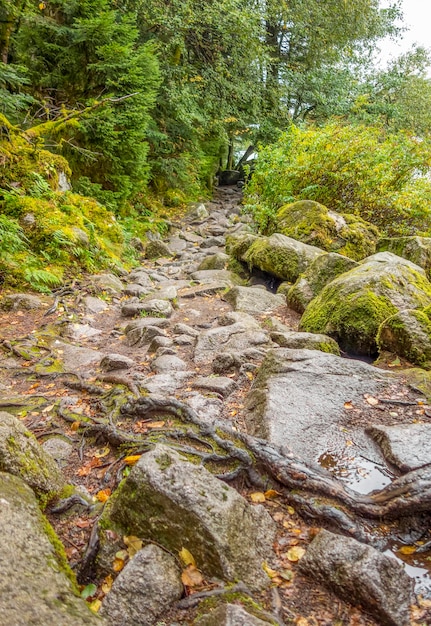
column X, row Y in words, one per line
column 361, row 575
column 168, row 363
column 207, row 289
column 76, row 332
column 254, row 301
column 298, row 400
column 408, row 446
column 218, row 384
column 76, row 359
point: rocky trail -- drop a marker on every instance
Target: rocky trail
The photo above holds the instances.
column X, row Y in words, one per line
column 265, row 479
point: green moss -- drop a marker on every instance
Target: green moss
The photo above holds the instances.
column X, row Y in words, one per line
column 407, row 334
column 60, row 563
column 277, row 260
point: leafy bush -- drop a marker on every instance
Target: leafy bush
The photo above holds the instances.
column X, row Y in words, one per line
column 382, row 177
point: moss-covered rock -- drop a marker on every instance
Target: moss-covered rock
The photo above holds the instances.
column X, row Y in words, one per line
column 238, row 244
column 36, row 583
column 178, row 504
column 277, row 255
column 407, row 334
column 305, row 341
column 313, row 223
column 318, row 274
column 352, row 307
column 21, row 455
column 415, row 249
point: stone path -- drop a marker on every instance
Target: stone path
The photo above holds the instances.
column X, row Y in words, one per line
column 194, row 325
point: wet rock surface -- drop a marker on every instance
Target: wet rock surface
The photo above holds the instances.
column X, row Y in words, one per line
column 71, row 368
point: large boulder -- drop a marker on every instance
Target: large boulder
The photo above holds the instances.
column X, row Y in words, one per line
column 406, row 446
column 305, row 341
column 21, row 455
column 298, row 401
column 360, row 574
column 408, row 334
column 321, row 272
column 178, row 504
column 351, row 308
column 254, row 300
column 313, row 223
column 280, row 256
column 415, row 249
column 146, row 587
column 35, row 581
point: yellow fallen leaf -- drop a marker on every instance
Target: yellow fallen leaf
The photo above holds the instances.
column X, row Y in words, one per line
column 101, row 452
column 295, row 553
column 349, row 442
column 95, row 605
column 103, row 495
column 249, row 375
column 291, row 510
column 134, row 544
column 301, row 621
column 131, row 460
column 372, row 401
column 75, row 426
column 407, row 550
column 155, row 424
column 270, row 572
column 107, row 584
column 191, row 577
column 348, row 405
column 257, row 497
column 186, row 557
column 271, row 493
column 118, row 565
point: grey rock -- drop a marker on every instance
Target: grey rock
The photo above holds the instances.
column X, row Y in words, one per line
column 168, row 292
column 298, row 400
column 308, row 341
column 81, row 331
column 143, row 335
column 407, row 446
column 168, row 363
column 76, row 359
column 21, row 302
column 408, row 334
column 136, row 290
column 360, row 574
column 165, row 383
column 34, row 589
column 236, row 337
column 156, row 249
column 151, row 307
column 208, row 409
column 107, row 283
column 160, row 342
column 206, row 289
column 218, row 384
column 176, row 244
column 184, row 340
column 28, row 220
column 59, row 448
column 220, row 276
column 95, row 305
column 209, row 242
column 140, row 277
column 184, row 329
column 145, row 588
column 115, row 361
column 191, row 237
column 415, row 249
column 217, row 261
column 195, row 511
column 21, row 455
column 81, row 236
column 227, row 362
column 230, row 615
column 137, row 244
column 197, row 212
column 254, row 301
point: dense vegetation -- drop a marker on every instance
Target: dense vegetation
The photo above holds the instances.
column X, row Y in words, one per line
column 139, row 103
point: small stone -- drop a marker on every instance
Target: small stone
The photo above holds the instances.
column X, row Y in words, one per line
column 184, row 340
column 159, row 342
column 136, row 290
column 168, row 363
column 145, row 588
column 95, row 305
column 59, row 449
column 253, row 300
column 184, row 329
column 115, row 361
column 21, row 302
column 156, row 249
column 218, row 384
column 107, row 282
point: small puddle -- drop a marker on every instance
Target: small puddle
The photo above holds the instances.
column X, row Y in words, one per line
column 360, row 474
column 417, row 566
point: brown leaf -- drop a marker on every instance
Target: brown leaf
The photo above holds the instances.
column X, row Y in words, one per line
column 257, row 496
column 271, row 493
column 192, row 577
column 348, row 405
column 371, row 401
column 107, row 584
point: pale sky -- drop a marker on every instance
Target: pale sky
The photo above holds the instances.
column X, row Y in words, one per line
column 417, row 17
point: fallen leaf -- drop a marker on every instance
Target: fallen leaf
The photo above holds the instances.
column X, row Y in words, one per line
column 103, row 494
column 407, row 550
column 349, row 443
column 249, row 375
column 95, row 605
column 348, row 405
column 192, row 577
column 84, row 523
column 257, row 496
column 102, row 452
column 372, row 401
column 186, row 557
column 118, row 565
column 295, row 554
column 271, row 493
column 131, row 460
column 287, row 574
column 278, row 517
column 291, row 510
column 88, row 591
column 155, row 424
column 107, row 584
column 270, row 572
column 75, row 426
column 134, row 544
column 301, row 621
